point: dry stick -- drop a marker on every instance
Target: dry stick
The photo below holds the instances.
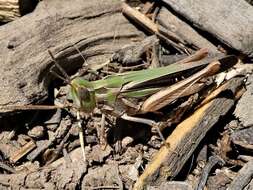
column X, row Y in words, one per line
column 212, row 161
column 198, row 55
column 155, row 47
column 169, row 37
column 60, row 148
column 32, row 107
column 7, row 168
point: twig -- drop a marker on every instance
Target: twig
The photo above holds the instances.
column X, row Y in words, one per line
column 169, row 37
column 32, row 107
column 212, row 161
column 7, row 168
column 186, row 137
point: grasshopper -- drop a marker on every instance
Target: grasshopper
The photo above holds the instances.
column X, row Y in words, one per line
column 88, row 95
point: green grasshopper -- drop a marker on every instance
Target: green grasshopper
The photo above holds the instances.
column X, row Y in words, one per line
column 87, row 95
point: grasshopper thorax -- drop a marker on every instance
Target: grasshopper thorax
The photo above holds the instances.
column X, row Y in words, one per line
column 83, row 95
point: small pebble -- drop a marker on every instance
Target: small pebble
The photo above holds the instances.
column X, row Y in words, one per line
column 145, row 148
column 36, row 132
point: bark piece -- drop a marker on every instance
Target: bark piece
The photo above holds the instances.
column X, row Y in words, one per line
column 22, row 151
column 186, row 137
column 96, row 27
column 185, row 31
column 231, row 21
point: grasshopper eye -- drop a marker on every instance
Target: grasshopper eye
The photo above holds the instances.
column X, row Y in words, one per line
column 83, row 94
column 86, row 99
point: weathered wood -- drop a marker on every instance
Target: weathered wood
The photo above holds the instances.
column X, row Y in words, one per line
column 243, row 177
column 231, row 21
column 186, row 137
column 182, row 29
column 96, row 27
column 22, row 151
column 13, row 9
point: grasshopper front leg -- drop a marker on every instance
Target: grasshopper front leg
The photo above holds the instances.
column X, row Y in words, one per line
column 81, row 136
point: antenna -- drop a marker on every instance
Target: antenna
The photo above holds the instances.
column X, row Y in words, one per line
column 67, row 78
column 80, row 53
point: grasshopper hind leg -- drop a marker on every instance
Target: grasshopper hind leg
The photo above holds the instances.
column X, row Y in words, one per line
column 149, row 122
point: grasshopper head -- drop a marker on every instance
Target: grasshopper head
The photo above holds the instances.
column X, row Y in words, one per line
column 83, row 95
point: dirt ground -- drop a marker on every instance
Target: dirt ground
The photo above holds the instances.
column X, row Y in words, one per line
column 192, row 128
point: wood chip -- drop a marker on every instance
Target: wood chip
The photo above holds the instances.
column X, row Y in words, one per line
column 22, row 151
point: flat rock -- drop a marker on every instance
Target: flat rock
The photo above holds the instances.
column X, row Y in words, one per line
column 231, row 21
